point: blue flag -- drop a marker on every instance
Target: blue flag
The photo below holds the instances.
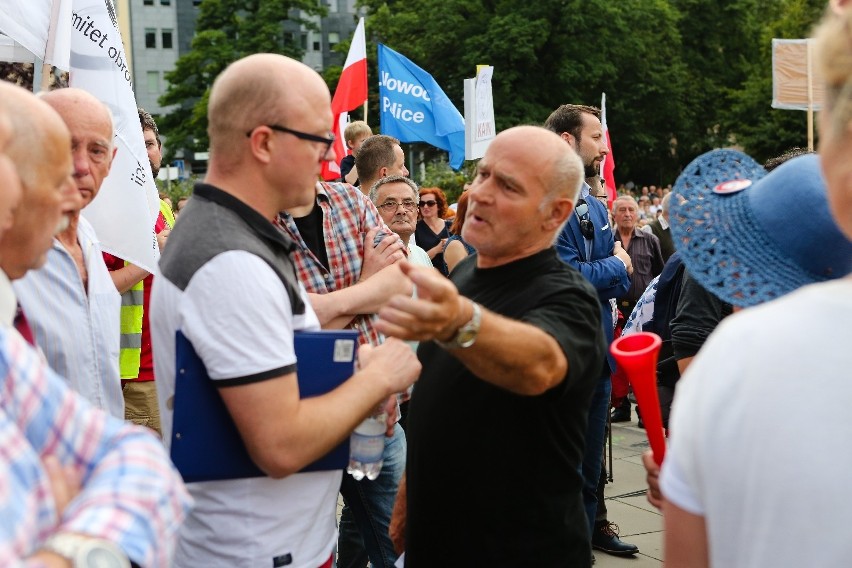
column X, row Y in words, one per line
column 415, row 109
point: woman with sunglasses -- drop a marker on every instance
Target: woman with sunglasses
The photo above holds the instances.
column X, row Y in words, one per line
column 432, row 230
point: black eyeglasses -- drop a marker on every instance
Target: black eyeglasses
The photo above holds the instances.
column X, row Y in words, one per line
column 392, row 206
column 427, row 203
column 586, row 225
column 327, row 140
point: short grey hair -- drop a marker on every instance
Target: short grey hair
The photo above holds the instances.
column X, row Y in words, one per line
column 629, row 198
column 566, row 177
column 374, row 190
column 666, row 198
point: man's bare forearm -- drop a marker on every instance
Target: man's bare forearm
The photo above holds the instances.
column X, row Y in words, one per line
column 365, row 297
column 352, row 176
column 127, row 277
column 514, row 355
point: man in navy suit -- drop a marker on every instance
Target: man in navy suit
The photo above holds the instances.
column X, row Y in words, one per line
column 587, row 243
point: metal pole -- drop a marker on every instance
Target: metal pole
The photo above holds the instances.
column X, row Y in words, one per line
column 38, row 71
column 609, row 435
column 810, row 100
column 46, row 72
column 49, row 47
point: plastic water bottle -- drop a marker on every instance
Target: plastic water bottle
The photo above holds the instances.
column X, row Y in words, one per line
column 367, row 447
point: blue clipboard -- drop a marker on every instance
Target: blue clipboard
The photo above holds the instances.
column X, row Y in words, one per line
column 206, row 445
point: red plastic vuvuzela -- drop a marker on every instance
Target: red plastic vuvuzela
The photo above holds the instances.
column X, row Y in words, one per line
column 637, row 355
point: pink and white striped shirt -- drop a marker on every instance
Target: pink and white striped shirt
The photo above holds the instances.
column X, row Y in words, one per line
column 130, row 493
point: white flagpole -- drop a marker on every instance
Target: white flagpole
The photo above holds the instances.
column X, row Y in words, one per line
column 810, row 97
column 603, row 117
column 46, row 69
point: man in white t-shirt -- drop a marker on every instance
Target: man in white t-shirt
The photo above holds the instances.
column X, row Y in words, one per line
column 229, row 286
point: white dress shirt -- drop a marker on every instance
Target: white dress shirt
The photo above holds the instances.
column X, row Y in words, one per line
column 78, row 332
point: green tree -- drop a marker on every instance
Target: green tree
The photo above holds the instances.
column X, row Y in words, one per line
column 178, row 188
column 637, row 62
column 438, row 173
column 681, row 76
column 551, row 52
column 762, row 131
column 227, row 30
column 720, row 38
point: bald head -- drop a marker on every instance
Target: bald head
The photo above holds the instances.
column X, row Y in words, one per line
column 269, row 121
column 560, row 168
column 90, row 123
column 40, row 148
column 32, row 122
column 259, row 89
column 522, row 195
column 72, row 103
column 10, row 182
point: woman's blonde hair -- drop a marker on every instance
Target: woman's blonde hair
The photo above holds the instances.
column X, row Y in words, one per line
column 833, row 57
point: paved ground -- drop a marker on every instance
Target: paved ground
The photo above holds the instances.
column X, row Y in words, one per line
column 639, row 522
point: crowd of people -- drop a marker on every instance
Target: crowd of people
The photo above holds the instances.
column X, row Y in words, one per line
column 484, row 338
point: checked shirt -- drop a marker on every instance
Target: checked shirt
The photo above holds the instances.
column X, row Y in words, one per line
column 347, row 216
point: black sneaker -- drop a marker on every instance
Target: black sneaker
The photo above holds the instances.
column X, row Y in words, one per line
column 605, row 538
column 621, row 413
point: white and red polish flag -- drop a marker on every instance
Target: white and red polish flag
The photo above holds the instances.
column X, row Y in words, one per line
column 351, row 93
column 608, row 164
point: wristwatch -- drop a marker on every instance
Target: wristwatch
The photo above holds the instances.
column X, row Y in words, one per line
column 466, row 334
column 87, row 552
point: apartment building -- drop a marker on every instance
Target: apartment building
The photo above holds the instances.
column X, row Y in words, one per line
column 157, row 32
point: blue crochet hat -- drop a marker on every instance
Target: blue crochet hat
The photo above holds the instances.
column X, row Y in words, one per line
column 749, row 237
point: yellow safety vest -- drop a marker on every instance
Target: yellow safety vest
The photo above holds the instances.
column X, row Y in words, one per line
column 168, row 214
column 129, row 357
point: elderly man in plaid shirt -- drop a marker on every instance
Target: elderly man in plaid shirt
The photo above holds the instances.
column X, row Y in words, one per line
column 346, row 258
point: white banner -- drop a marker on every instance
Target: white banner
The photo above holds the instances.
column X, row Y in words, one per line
column 124, row 211
column 479, row 126
column 13, row 52
column 43, row 27
column 795, row 83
